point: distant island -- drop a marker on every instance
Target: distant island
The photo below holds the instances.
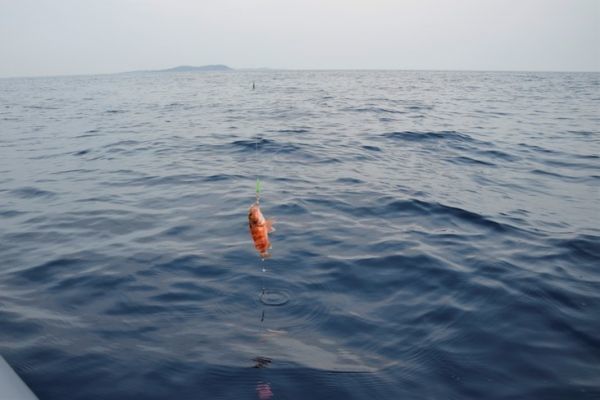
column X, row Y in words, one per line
column 189, row 68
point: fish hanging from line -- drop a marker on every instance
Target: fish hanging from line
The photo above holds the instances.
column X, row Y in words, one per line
column 260, row 229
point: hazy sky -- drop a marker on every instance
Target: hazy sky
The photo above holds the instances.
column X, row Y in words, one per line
column 55, row 37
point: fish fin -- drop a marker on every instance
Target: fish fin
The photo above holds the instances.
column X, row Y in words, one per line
column 270, row 227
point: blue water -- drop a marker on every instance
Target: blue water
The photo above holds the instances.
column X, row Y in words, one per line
column 438, row 235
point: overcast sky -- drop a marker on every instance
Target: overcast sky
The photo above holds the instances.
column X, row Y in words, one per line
column 56, row 37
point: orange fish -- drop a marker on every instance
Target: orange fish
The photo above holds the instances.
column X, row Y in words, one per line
column 260, row 229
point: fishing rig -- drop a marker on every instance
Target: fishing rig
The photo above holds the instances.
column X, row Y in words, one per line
column 267, row 297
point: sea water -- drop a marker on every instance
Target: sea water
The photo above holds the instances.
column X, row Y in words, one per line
column 438, row 235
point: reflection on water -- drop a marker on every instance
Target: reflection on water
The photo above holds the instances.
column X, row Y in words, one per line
column 263, row 389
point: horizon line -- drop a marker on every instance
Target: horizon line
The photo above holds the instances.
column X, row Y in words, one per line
column 266, row 69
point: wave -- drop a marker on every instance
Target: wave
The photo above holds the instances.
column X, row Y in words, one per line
column 375, row 110
column 30, row 192
column 580, row 248
column 264, row 145
column 470, row 161
column 429, row 136
column 298, row 130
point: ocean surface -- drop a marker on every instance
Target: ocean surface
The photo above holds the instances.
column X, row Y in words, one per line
column 438, row 235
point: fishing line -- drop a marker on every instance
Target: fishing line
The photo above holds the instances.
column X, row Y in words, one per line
column 264, row 270
column 258, row 195
column 267, row 297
